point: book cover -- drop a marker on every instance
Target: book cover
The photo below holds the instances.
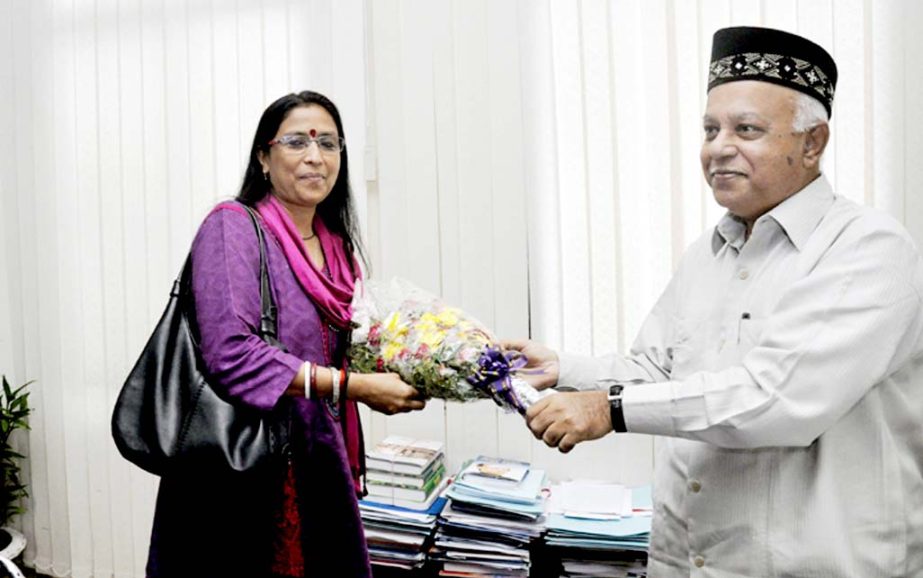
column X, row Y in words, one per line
column 436, row 470
column 413, row 505
column 406, row 493
column 403, row 454
column 499, row 469
column 527, row 492
column 427, row 515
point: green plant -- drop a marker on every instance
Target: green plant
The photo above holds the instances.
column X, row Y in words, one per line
column 14, row 411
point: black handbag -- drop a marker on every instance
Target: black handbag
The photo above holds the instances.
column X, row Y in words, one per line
column 167, row 416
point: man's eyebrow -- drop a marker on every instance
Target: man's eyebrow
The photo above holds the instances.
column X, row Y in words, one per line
column 748, row 116
column 738, row 117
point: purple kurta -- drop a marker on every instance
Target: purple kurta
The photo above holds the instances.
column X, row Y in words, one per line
column 221, row 523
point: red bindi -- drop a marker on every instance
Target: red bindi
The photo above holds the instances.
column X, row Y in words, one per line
column 312, row 133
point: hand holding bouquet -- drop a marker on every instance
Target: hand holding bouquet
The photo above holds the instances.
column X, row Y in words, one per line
column 438, row 349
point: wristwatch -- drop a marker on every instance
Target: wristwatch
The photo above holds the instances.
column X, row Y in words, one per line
column 615, row 409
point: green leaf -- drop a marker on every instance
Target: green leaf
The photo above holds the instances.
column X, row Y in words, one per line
column 14, row 411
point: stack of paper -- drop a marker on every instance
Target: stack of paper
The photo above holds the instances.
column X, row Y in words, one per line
column 601, row 529
column 625, row 534
column 495, row 511
column 610, row 567
column 399, row 537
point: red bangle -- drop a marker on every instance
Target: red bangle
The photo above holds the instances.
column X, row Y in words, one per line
column 313, row 381
column 343, row 380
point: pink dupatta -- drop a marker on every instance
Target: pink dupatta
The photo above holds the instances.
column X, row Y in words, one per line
column 332, row 295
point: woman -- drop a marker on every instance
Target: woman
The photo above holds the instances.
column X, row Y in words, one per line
column 299, row 517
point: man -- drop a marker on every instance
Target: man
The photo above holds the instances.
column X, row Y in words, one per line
column 784, row 361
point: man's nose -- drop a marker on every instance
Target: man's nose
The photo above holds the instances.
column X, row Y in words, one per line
column 722, row 146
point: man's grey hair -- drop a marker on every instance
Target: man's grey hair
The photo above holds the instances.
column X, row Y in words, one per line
column 809, row 112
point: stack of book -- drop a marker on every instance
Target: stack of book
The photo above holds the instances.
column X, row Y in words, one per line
column 405, row 472
column 398, row 537
column 404, row 478
column 495, row 512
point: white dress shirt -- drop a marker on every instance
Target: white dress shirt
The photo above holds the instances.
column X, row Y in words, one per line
column 787, row 372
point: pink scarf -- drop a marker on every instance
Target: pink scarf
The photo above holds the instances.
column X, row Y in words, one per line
column 332, row 295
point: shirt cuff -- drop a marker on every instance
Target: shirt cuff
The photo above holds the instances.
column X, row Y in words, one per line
column 647, row 408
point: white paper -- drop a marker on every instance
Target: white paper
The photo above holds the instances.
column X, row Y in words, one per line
column 594, row 500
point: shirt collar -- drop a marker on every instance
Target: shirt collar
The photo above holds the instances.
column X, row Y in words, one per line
column 797, row 215
column 730, row 230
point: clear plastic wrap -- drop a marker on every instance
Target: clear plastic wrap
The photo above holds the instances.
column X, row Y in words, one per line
column 439, row 349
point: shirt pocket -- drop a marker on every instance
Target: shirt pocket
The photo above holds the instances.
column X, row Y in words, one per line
column 750, row 331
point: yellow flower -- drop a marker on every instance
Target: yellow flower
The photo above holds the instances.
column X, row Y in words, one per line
column 392, row 321
column 432, row 338
column 448, row 317
column 390, row 351
column 393, row 325
column 428, row 322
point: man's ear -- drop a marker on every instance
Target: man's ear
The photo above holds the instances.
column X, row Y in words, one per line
column 815, row 141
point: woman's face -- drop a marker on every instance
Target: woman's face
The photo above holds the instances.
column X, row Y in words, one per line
column 304, row 160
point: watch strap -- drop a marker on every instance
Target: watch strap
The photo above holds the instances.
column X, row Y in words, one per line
column 615, row 409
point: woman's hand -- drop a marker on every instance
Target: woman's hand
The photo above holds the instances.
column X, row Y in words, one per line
column 384, row 392
column 542, row 367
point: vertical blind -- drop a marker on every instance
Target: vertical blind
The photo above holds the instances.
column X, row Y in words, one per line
column 130, row 119
column 532, row 161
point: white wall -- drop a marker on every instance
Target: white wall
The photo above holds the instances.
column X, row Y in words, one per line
column 533, row 161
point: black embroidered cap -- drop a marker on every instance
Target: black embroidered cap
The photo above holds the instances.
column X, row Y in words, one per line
column 748, row 53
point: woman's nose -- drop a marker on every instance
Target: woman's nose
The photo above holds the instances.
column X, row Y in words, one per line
column 313, row 155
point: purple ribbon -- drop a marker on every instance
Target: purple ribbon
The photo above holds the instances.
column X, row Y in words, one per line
column 492, row 376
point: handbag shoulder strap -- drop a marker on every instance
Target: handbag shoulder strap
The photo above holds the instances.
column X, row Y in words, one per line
column 182, row 286
column 268, row 320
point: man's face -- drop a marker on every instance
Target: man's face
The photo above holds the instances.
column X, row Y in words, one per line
column 751, row 158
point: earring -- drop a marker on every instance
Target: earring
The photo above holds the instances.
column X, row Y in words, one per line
column 266, row 176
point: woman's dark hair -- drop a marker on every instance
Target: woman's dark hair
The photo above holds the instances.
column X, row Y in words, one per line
column 337, row 209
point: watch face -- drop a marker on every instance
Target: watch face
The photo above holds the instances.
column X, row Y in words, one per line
column 615, row 390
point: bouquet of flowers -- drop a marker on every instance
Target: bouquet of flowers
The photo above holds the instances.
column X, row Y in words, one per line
column 438, row 349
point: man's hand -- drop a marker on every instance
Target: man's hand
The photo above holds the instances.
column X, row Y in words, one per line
column 566, row 419
column 542, row 367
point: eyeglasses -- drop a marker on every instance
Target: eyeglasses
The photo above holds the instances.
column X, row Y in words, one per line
column 297, row 144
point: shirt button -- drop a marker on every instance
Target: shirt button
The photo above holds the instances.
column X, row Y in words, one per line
column 698, row 561
column 743, row 274
column 695, row 486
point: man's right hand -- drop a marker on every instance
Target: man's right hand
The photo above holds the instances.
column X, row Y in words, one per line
column 542, row 368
